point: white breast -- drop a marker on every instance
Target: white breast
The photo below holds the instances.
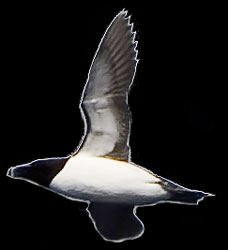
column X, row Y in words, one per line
column 100, row 179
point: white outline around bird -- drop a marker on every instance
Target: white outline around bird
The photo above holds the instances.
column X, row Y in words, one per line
column 100, row 171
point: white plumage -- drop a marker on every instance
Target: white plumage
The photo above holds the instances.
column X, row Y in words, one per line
column 97, row 179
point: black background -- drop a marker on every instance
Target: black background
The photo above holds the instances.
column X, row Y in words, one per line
column 176, row 103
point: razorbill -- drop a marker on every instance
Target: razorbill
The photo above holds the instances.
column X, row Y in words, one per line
column 100, row 171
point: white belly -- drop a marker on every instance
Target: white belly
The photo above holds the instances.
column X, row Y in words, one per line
column 101, row 179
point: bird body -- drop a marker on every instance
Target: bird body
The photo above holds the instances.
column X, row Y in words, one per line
column 100, row 179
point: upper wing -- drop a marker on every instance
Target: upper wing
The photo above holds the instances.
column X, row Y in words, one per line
column 104, row 99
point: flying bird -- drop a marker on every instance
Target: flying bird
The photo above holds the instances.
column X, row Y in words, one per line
column 100, row 171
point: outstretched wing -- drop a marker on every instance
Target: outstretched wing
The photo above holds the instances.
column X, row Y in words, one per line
column 104, row 100
column 115, row 222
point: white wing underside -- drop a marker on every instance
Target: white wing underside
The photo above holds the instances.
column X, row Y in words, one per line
column 104, row 103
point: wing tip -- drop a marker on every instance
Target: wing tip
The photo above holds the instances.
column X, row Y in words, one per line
column 126, row 18
column 124, row 14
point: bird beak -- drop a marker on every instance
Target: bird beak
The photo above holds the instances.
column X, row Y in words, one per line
column 18, row 171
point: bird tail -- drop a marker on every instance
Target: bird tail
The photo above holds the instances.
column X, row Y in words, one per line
column 115, row 222
column 192, row 197
column 180, row 194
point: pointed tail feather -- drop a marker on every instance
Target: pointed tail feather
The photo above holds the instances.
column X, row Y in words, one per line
column 188, row 196
column 179, row 194
column 115, row 222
